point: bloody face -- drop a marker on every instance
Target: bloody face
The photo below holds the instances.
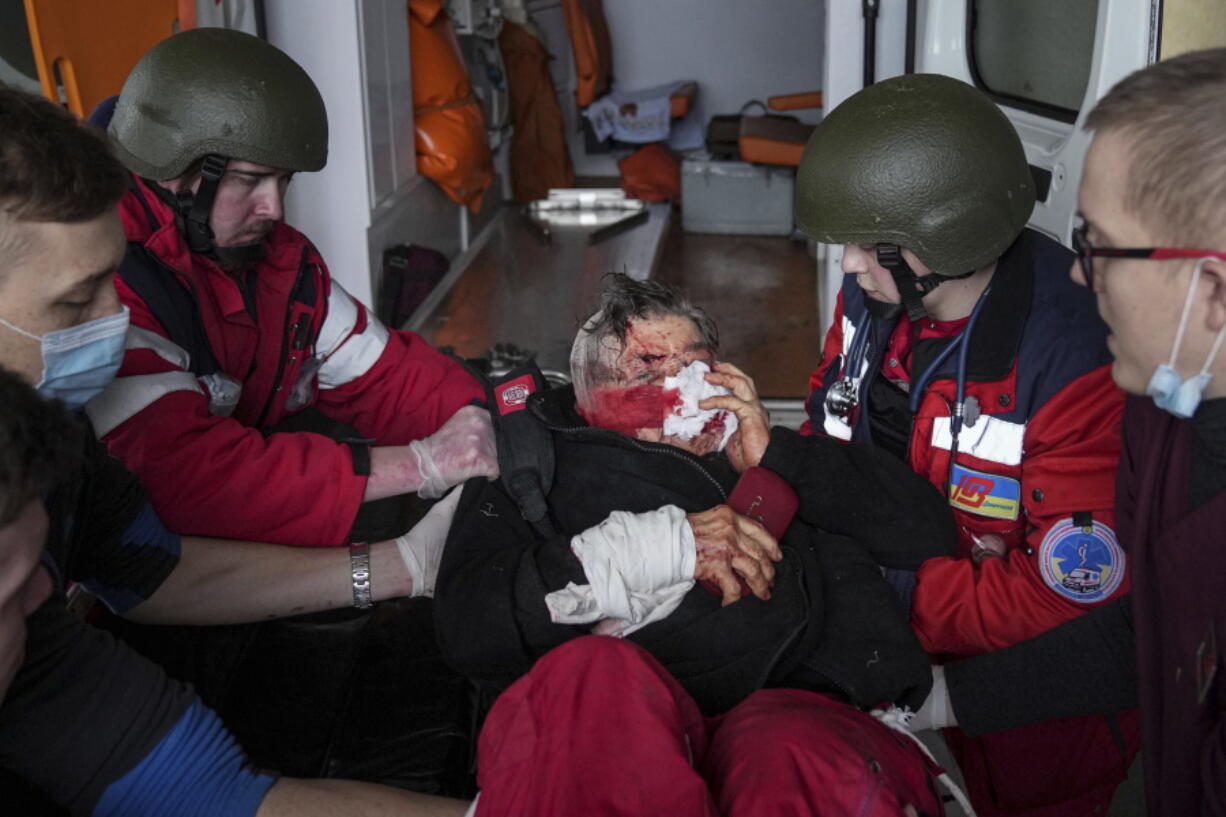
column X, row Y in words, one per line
column 632, row 400
column 626, row 410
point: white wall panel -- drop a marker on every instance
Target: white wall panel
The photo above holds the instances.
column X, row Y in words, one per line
column 400, row 91
column 236, row 14
column 333, row 206
column 379, row 119
column 736, row 51
column 389, row 94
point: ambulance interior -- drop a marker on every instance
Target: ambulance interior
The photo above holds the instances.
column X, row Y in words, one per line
column 731, row 87
column 425, row 152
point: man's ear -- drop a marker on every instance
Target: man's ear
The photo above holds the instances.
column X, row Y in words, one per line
column 1214, row 271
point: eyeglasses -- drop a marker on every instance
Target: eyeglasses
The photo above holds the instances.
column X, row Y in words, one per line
column 1087, row 252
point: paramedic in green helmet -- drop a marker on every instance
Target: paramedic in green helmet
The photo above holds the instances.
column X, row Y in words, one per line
column 238, row 326
column 960, row 345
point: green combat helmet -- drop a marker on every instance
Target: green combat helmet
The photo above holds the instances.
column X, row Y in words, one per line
column 216, row 94
column 920, row 161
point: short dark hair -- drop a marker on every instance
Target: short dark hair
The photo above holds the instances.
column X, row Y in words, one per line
column 53, row 167
column 624, row 299
column 40, row 445
column 1173, row 114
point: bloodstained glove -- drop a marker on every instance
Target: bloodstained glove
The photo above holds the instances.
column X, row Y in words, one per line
column 462, row 449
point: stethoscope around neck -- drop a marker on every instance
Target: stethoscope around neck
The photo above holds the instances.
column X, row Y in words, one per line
column 843, row 396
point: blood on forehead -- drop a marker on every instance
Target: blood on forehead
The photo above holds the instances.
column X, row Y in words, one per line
column 659, row 347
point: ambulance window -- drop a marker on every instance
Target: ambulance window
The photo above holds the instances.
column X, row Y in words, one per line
column 1033, row 55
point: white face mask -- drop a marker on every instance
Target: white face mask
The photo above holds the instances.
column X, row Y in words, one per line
column 79, row 362
column 1170, row 392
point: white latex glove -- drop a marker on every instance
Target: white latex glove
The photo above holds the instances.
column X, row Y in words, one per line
column 463, row 448
column 936, row 712
column 422, row 547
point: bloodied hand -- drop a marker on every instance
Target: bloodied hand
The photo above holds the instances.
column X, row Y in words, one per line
column 730, row 545
column 748, row 443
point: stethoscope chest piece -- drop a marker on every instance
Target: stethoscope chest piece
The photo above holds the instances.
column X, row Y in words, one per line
column 841, row 399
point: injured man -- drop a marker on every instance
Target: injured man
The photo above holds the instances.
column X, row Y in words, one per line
column 654, row 445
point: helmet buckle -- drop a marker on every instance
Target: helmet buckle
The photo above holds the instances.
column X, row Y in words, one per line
column 212, row 168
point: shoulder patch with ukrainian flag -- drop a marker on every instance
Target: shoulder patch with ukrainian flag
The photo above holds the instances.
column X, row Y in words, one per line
column 1084, row 563
column 985, row 494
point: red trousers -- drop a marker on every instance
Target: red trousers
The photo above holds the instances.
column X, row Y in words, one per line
column 599, row 727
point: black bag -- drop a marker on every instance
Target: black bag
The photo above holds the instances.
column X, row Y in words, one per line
column 410, row 273
column 722, row 133
column 724, row 130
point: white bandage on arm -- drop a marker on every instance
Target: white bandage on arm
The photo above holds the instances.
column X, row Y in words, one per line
column 638, row 565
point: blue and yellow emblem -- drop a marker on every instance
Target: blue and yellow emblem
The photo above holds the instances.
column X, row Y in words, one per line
column 985, row 494
column 1084, row 563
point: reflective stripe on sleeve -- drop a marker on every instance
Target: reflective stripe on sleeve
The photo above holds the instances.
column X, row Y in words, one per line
column 989, row 439
column 163, row 347
column 347, row 355
column 128, row 396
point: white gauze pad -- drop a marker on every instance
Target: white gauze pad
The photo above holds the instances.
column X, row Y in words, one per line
column 686, row 420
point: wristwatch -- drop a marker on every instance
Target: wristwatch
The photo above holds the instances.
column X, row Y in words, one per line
column 359, row 569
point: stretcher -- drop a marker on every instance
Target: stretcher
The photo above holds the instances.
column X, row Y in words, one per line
column 517, row 289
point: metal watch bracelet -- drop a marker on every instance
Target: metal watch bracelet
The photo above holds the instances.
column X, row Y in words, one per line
column 359, row 569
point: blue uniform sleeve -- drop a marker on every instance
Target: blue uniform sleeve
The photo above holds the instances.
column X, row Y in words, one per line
column 113, row 542
column 146, row 551
column 196, row 770
column 83, row 710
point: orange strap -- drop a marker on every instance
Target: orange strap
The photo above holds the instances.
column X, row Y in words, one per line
column 792, row 102
column 680, row 101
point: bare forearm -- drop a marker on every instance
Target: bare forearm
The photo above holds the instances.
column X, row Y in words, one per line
column 347, row 798
column 222, row 581
column 393, row 471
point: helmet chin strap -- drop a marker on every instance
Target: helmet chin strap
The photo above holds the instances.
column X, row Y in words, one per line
column 911, row 287
column 194, row 208
column 192, row 213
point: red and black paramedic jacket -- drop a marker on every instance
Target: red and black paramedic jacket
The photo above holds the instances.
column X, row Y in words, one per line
column 282, row 328
column 1037, row 468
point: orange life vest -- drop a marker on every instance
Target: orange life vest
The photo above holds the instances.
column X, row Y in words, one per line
column 452, row 148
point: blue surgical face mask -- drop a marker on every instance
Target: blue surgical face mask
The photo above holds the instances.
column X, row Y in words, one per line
column 1170, row 392
column 80, row 361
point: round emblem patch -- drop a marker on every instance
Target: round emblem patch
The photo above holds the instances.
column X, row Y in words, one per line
column 1082, row 563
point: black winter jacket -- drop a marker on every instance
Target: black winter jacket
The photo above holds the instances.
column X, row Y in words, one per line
column 832, row 623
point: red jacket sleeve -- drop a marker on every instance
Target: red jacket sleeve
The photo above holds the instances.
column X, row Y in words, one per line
column 1071, row 446
column 391, row 386
column 213, row 476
